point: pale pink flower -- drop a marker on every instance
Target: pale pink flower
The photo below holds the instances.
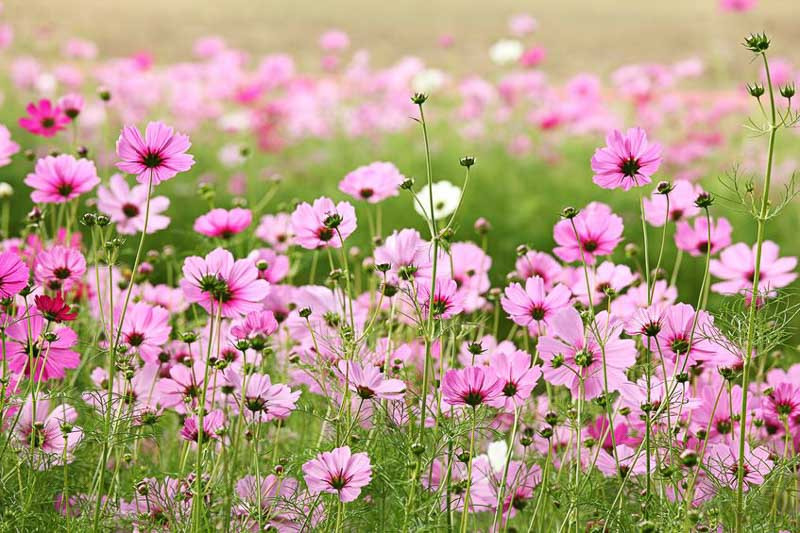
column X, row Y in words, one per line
column 223, row 223
column 693, row 238
column 7, row 146
column 323, row 224
column 369, row 382
column 737, row 5
column 59, row 179
column 598, row 233
column 276, row 230
column 723, row 463
column 540, row 264
column 516, row 376
column 51, row 437
column 534, row 306
column 736, row 266
column 146, row 330
column 372, row 183
column 51, row 358
column 408, row 256
column 626, row 161
column 60, row 268
column 605, row 276
column 334, row 41
column 338, row 472
column 277, row 265
column 212, row 423
column 263, row 400
column 471, row 386
column 126, row 206
column 447, row 300
column 13, row 274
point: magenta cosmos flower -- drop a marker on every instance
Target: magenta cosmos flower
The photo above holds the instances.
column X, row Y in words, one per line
column 159, row 155
column 44, row 119
column 255, row 326
column 569, row 353
column 447, row 302
column 223, row 223
column 372, row 183
column 598, row 233
column 126, row 206
column 370, row 383
column 516, row 376
column 539, row 264
column 693, row 238
column 323, row 224
column 7, row 146
column 736, row 266
column 217, row 278
column 13, row 274
column 723, row 464
column 338, row 472
column 51, row 435
column 146, row 329
column 212, row 423
column 472, row 386
column 626, row 161
column 52, row 354
column 534, row 306
column 59, row 179
column 60, row 268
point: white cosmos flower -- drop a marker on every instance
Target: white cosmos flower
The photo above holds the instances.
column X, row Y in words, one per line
column 445, row 200
column 428, row 81
column 506, row 51
column 497, row 452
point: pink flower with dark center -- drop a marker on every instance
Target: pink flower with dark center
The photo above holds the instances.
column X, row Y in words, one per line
column 323, row 224
column 372, row 183
column 606, row 276
column 570, row 353
column 183, row 389
column 277, row 497
column 50, row 351
column 212, row 423
column 723, row 463
column 7, row 146
column 218, row 279
column 533, row 306
column 262, row 400
column 685, row 336
column 338, row 472
column 256, row 327
column 471, row 386
column 13, row 274
column 736, row 266
column 539, row 264
column 516, row 376
column 681, row 204
column 408, row 256
column 146, row 330
column 223, row 223
column 44, row 119
column 72, row 104
column 271, row 266
column 626, row 161
column 276, row 230
column 51, row 436
column 369, row 383
column 447, row 300
column 126, row 206
column 158, row 156
column 694, row 238
column 782, row 403
column 60, row 268
column 597, row 232
column 59, row 179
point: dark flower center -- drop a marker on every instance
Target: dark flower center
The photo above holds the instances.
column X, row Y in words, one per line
column 255, row 404
column 130, row 210
column 724, row 426
column 439, row 307
column 510, row 389
column 338, row 481
column 366, row 193
column 365, row 392
column 590, row 246
column 702, row 247
column 135, row 339
column 152, row 159
column 473, row 398
column 680, row 345
column 48, row 122
column 677, row 214
column 325, row 234
column 630, row 167
column 537, row 313
column 65, row 189
column 61, row 272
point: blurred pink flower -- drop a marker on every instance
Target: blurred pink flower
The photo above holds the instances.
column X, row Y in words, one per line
column 693, row 238
column 736, row 266
column 372, row 183
column 222, row 223
column 44, row 119
column 7, row 146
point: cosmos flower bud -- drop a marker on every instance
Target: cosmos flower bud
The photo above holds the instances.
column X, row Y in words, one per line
column 464, row 457
column 305, row 312
column 546, row 432
column 689, row 458
column 89, row 219
column 467, row 161
column 407, row 184
column 475, row 348
column 104, row 93
column 756, row 90
column 788, row 91
column 522, row 249
column 383, row 267
column 664, row 187
column 551, row 417
column 647, row 526
column 417, row 448
column 631, row 250
column 419, row 98
column 757, row 42
column 102, row 220
column 704, row 200
column 389, row 289
column 569, row 213
column 189, row 337
column 6, row 190
column 262, row 265
column 29, row 154
column 526, row 440
column 333, row 220
column 482, row 226
column 35, row 215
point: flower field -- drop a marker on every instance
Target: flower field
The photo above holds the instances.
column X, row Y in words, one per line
column 248, row 291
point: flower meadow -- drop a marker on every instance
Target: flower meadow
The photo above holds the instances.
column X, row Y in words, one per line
column 319, row 364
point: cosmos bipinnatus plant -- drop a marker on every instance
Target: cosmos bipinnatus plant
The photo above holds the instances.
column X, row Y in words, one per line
column 338, row 363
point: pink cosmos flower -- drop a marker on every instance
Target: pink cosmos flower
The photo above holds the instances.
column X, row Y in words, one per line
column 72, row 104
column 782, row 403
column 569, row 352
column 212, row 423
column 373, row 183
column 323, row 224
column 278, row 499
column 51, row 358
column 60, row 268
column 681, row 204
column 626, row 161
column 156, row 157
column 522, row 24
column 472, row 386
column 408, row 256
column 682, row 336
column 736, row 266
column 723, row 463
column 263, row 401
column 516, row 376
column 51, row 436
column 59, row 179
column 598, row 233
column 217, row 278
column 334, row 41
column 7, row 146
column 277, row 266
column 276, row 230
column 447, row 300
column 255, row 326
column 126, row 206
column 13, row 274
column 182, row 389
column 533, row 306
column 694, row 238
column 338, row 472
column 737, row 5
column 606, row 276
column 146, row 329
column 368, row 382
column 223, row 223
column 44, row 119
column 539, row 264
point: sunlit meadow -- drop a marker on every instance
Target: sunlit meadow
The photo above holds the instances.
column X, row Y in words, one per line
column 259, row 292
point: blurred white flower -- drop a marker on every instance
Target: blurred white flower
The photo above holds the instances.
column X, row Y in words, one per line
column 427, row 81
column 496, row 452
column 235, row 121
column 46, row 84
column 445, row 200
column 506, row 51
